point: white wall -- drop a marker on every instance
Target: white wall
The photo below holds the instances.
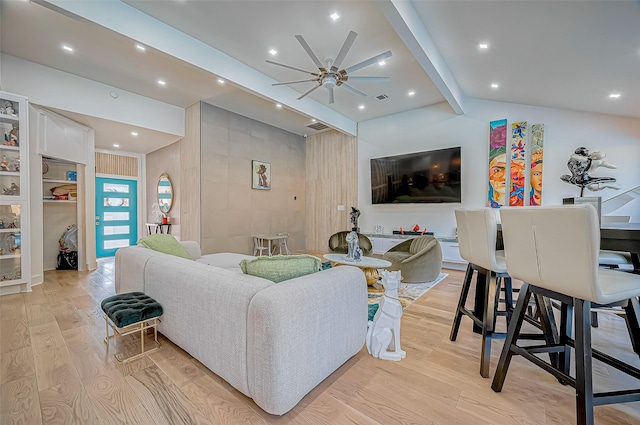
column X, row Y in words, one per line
column 438, row 127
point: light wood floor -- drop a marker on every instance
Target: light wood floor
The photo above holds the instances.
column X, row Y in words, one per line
column 54, row 370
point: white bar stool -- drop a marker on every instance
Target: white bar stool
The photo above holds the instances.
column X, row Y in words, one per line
column 555, row 251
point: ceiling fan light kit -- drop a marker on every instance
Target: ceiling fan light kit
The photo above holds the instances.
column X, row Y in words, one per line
column 329, row 74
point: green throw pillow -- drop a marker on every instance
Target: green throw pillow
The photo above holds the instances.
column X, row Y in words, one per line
column 167, row 244
column 281, row 267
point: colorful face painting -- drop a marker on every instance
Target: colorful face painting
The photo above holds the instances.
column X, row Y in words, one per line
column 537, row 153
column 518, row 146
column 497, row 163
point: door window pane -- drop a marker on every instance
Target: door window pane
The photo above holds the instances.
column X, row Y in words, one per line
column 112, row 216
column 113, row 187
column 116, row 202
column 117, row 243
column 116, row 230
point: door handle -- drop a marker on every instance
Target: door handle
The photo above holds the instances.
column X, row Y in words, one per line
column 97, row 223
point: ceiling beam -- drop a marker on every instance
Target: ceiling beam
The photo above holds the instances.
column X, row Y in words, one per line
column 130, row 22
column 405, row 20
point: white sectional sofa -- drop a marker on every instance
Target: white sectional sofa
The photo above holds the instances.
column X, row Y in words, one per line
column 273, row 342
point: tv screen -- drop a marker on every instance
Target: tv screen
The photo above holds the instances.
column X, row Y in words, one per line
column 421, row 177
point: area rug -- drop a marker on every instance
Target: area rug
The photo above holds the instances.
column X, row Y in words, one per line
column 407, row 293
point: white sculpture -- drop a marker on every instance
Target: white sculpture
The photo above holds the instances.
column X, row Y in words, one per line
column 352, row 246
column 384, row 330
column 155, row 210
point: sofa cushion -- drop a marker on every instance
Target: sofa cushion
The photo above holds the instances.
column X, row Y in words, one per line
column 225, row 260
column 167, row 244
column 281, row 267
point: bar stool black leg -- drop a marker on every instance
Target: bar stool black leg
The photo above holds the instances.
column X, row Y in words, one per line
column 584, row 376
column 548, row 325
column 479, row 297
column 466, row 285
column 508, row 295
column 512, row 337
column 632, row 319
column 489, row 321
column 566, row 325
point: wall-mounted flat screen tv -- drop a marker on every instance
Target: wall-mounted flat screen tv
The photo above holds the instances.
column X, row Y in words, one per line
column 422, row 177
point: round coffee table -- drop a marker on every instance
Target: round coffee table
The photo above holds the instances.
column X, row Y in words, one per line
column 369, row 265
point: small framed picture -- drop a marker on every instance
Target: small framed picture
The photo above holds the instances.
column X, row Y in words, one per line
column 72, row 176
column 261, row 175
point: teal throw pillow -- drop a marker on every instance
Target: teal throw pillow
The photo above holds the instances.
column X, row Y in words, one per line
column 167, row 244
column 281, row 267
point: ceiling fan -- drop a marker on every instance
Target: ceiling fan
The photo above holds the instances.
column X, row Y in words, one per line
column 329, row 74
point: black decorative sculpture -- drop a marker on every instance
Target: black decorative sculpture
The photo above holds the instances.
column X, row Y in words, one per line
column 355, row 213
column 581, row 163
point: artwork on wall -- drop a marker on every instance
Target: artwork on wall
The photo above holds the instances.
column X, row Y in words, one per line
column 537, row 154
column 517, row 164
column 261, row 172
column 497, row 163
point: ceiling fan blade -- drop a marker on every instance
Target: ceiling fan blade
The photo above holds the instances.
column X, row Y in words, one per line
column 291, row 67
column 368, row 78
column 312, row 55
column 353, row 90
column 309, row 91
column 368, row 62
column 344, row 49
column 330, row 96
column 294, row 82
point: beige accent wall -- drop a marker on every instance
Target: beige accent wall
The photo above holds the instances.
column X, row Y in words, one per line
column 165, row 160
column 331, row 180
column 231, row 211
column 190, row 203
column 118, row 165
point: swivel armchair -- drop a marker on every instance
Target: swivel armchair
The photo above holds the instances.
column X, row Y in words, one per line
column 338, row 243
column 419, row 259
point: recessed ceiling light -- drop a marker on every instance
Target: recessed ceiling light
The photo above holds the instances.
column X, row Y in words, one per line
column 361, row 107
column 67, row 48
column 614, row 95
column 382, row 63
column 483, row 46
column 133, row 133
column 273, row 52
column 495, row 85
column 314, row 120
column 334, row 16
column 220, row 80
column 115, row 145
column 278, row 105
column 161, row 82
column 141, row 47
column 411, row 93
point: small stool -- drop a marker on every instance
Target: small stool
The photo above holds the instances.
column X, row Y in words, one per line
column 129, row 313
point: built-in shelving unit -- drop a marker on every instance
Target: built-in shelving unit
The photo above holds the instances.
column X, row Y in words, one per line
column 14, row 201
column 59, row 208
column 56, row 177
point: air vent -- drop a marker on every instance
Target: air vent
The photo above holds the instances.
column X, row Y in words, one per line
column 318, row 126
column 382, row 97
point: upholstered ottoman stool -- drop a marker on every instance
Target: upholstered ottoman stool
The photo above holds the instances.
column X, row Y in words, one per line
column 129, row 313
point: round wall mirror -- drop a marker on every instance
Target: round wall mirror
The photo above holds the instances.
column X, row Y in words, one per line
column 165, row 193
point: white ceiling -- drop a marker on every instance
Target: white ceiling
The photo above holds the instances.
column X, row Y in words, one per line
column 569, row 54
